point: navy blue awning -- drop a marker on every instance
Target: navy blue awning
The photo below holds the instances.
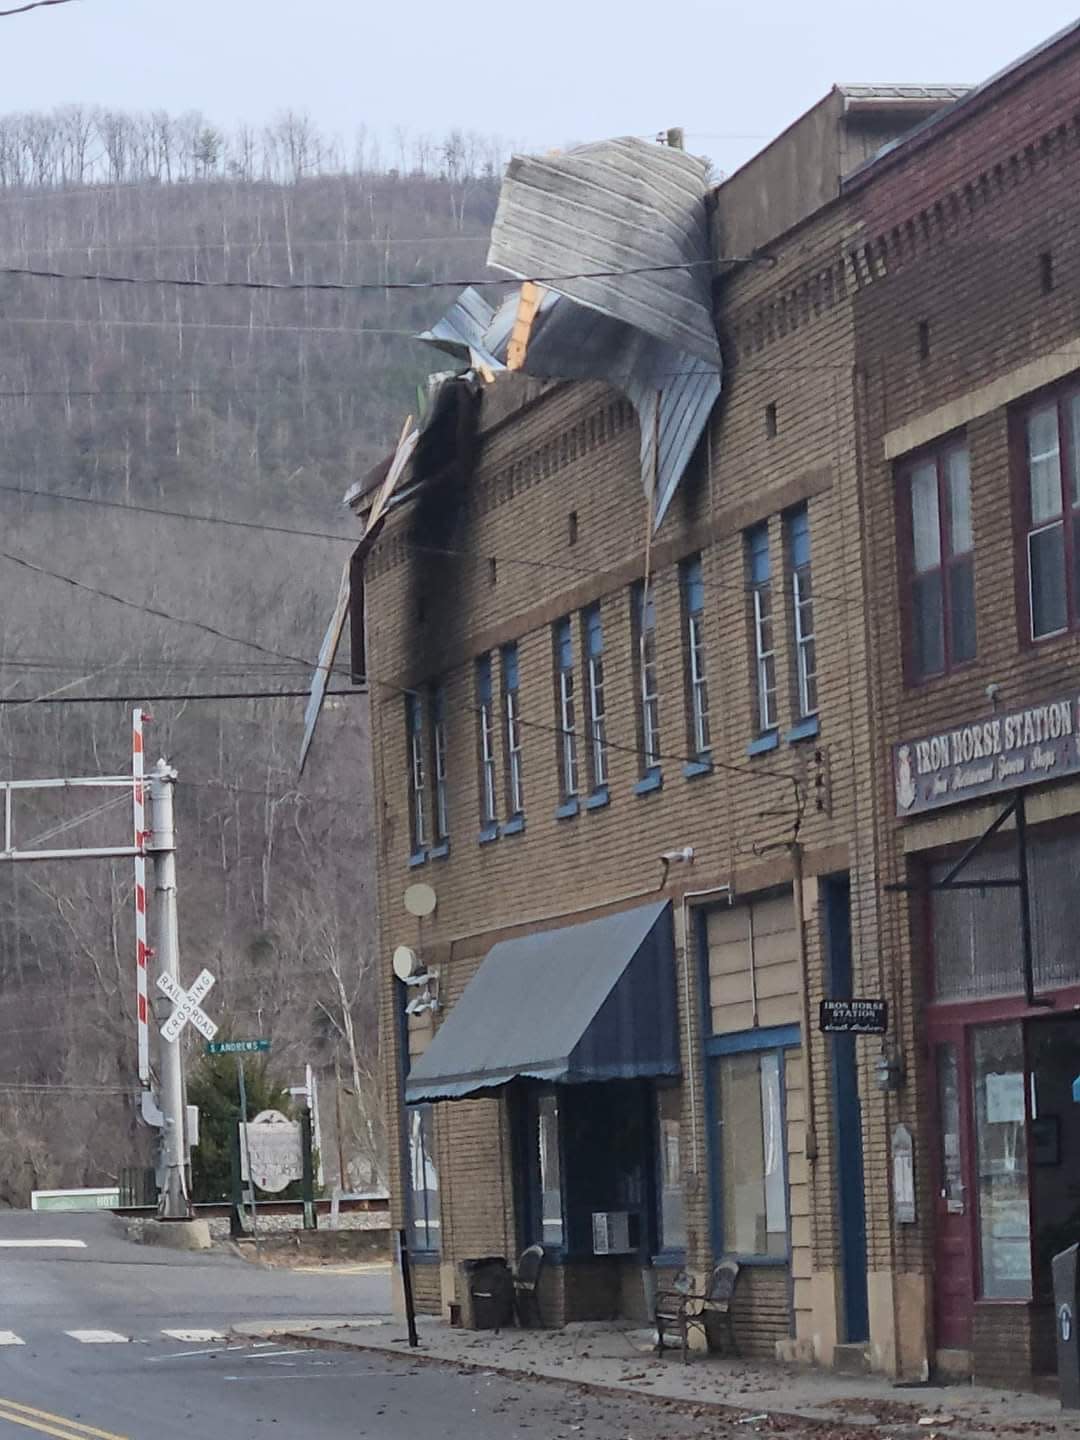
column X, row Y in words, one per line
column 594, row 1001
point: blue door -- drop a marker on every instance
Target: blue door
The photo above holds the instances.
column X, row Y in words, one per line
column 847, row 1121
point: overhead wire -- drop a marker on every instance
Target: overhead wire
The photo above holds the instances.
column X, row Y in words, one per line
column 32, row 5
column 186, row 282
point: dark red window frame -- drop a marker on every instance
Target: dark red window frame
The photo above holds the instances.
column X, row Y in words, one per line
column 1060, row 397
column 954, row 569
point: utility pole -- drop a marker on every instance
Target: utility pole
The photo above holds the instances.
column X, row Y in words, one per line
column 174, row 1203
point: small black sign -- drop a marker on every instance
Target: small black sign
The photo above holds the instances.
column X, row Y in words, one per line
column 854, row 1017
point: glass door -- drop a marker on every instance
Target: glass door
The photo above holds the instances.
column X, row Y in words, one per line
column 999, row 1076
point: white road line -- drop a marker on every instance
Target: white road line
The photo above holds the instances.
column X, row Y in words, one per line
column 8, row 1337
column 194, row 1337
column 42, row 1244
column 277, row 1354
column 98, row 1337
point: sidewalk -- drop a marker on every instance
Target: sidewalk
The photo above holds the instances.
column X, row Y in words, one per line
column 759, row 1396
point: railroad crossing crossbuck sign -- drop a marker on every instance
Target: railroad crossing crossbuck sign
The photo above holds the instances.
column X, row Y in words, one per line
column 187, row 1005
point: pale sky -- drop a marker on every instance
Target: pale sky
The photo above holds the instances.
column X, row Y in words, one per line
column 543, row 74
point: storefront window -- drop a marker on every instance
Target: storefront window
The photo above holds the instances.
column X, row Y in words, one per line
column 1001, row 1152
column 952, row 1169
column 423, row 1181
column 669, row 1130
column 753, row 1191
column 551, row 1205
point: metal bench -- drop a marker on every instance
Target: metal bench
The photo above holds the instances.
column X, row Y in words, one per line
column 682, row 1308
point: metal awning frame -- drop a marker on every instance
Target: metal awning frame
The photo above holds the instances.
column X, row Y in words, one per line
column 1016, row 809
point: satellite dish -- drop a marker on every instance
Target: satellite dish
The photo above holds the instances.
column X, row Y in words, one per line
column 406, row 962
column 420, row 900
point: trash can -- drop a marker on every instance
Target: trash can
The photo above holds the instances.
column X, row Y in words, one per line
column 490, row 1287
column 1067, row 1318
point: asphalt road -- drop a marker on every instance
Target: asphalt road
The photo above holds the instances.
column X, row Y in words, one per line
column 85, row 1354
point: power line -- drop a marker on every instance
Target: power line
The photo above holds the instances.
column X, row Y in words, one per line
column 202, row 325
column 370, row 286
column 154, row 610
column 33, row 5
column 140, row 697
column 177, row 514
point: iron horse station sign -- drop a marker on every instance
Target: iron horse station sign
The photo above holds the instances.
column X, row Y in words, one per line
column 1003, row 752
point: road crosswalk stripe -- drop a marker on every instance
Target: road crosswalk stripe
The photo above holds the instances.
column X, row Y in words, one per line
column 8, row 1337
column 194, row 1337
column 42, row 1244
column 98, row 1337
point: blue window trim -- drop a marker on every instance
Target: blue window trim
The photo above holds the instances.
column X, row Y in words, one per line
column 598, row 798
column 764, row 743
column 652, row 780
column 701, row 766
column 771, row 1037
column 805, row 730
column 440, row 851
column 418, row 857
column 489, row 833
column 514, row 826
column 568, row 809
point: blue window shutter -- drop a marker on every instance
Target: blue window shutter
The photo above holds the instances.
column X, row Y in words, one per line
column 694, row 586
column 594, row 630
column 564, row 644
column 510, row 667
column 483, row 679
column 799, row 538
column 758, row 542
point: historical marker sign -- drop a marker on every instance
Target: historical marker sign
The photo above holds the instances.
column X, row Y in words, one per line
column 274, row 1145
column 187, row 1006
column 854, row 1017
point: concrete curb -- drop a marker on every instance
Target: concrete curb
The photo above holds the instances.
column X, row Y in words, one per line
column 189, row 1235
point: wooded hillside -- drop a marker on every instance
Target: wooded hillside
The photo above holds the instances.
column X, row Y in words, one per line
column 254, row 406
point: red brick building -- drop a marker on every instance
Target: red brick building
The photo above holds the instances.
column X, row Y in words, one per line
column 646, row 774
column 968, row 388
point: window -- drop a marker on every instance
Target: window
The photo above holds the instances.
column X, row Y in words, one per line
column 567, row 710
column 672, row 1216
column 802, row 602
column 423, row 1181
column 1002, row 1162
column 594, row 651
column 936, row 500
column 753, row 1186
column 414, row 727
column 757, row 544
column 549, row 1161
column 644, row 616
column 486, row 738
column 515, row 797
column 438, row 756
column 1051, row 436
column 696, row 682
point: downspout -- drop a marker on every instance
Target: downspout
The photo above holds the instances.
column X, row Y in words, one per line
column 804, row 973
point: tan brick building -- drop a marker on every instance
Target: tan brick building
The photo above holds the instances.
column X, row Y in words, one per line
column 559, row 703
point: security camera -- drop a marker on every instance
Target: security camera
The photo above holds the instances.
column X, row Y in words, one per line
column 677, row 857
column 993, row 693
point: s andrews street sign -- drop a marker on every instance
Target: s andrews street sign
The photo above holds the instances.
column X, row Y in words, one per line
column 854, row 1017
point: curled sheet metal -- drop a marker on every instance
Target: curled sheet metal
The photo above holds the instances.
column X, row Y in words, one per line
column 618, row 206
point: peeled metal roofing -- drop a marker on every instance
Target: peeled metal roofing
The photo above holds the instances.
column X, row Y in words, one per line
column 586, row 1002
column 615, row 205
